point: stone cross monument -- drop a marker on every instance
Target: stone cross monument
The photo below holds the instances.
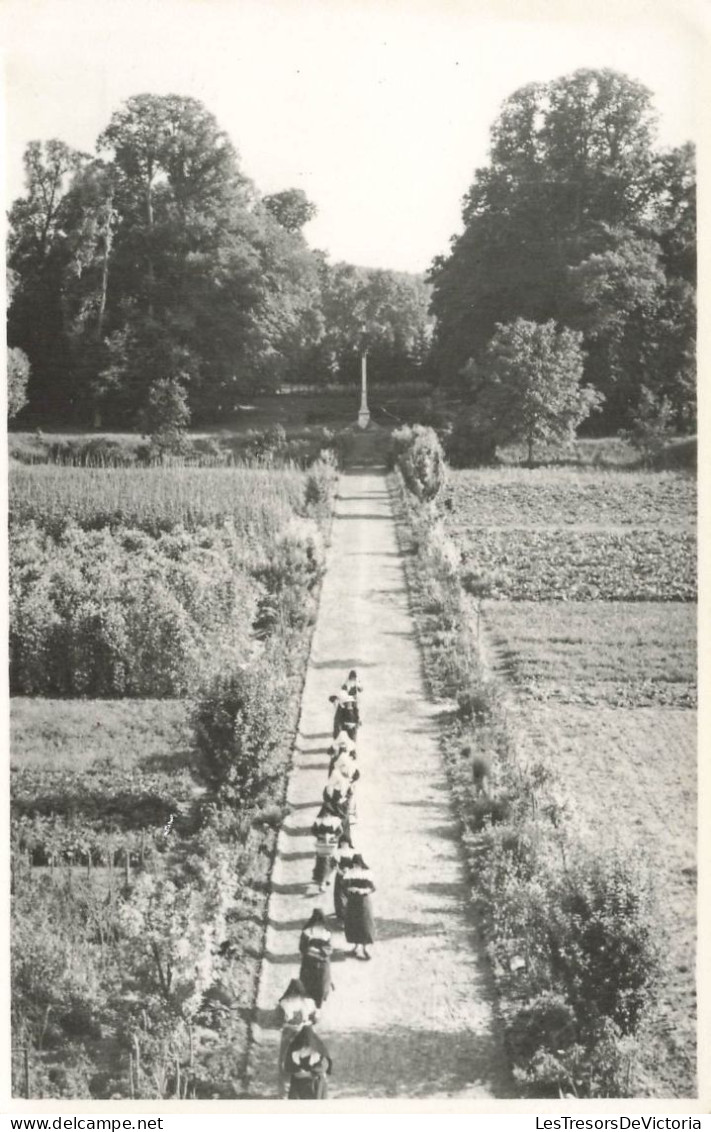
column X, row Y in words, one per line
column 364, row 413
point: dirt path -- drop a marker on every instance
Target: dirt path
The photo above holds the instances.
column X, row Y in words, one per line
column 417, row 1020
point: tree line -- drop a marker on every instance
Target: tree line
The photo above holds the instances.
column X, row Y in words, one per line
column 155, row 272
column 577, row 257
column 155, row 267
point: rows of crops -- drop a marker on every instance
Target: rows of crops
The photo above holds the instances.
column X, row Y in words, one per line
column 586, row 583
column 138, row 886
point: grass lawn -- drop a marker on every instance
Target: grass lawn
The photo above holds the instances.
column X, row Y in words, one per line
column 76, row 734
column 619, row 653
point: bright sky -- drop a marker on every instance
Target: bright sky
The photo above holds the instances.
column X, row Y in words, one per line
column 378, row 109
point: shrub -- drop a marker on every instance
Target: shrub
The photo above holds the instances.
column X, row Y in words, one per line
column 115, row 613
column 238, row 723
column 546, row 1022
column 420, row 457
column 602, row 942
column 166, row 414
column 652, row 426
column 320, row 482
column 267, row 444
column 290, row 576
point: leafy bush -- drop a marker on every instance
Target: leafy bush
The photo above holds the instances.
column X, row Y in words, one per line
column 652, row 426
column 266, row 445
column 290, row 576
column 602, row 940
column 166, row 414
column 239, row 721
column 120, row 613
column 321, row 481
column 422, row 462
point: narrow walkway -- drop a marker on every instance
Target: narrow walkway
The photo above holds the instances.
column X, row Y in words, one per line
column 417, row 1020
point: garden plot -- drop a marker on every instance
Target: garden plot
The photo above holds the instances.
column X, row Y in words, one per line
column 622, row 654
column 586, row 585
column 630, row 777
column 547, row 497
column 138, row 901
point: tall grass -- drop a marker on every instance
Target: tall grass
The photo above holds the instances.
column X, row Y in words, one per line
column 258, row 502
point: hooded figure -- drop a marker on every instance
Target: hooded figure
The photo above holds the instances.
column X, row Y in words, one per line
column 297, row 1010
column 359, row 921
column 309, row 1064
column 345, row 764
column 327, row 829
column 315, row 948
column 353, row 687
column 346, row 714
column 342, row 744
column 337, row 796
column 344, row 861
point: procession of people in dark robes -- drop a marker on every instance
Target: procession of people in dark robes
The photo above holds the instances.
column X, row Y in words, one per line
column 304, row 1061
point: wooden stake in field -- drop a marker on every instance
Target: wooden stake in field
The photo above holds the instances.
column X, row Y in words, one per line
column 26, row 1060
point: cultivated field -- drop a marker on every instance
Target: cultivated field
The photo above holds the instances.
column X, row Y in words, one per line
column 138, row 895
column 588, row 588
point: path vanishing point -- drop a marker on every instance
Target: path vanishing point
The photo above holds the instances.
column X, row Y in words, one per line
column 417, row 1021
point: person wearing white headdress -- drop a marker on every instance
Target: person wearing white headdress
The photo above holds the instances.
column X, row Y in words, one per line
column 327, row 830
column 315, row 949
column 310, row 1064
column 297, row 1010
column 359, row 922
column 345, row 716
column 344, row 862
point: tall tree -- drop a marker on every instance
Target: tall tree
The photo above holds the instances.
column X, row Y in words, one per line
column 529, row 386
column 38, row 254
column 572, row 176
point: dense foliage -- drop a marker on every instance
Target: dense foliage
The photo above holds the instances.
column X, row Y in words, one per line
column 528, row 387
column 154, row 267
column 138, row 889
column 579, row 219
column 420, row 457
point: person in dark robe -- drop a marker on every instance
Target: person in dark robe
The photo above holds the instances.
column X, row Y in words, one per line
column 337, row 797
column 344, row 861
column 297, row 1010
column 352, row 687
column 327, row 829
column 359, row 922
column 309, row 1064
column 315, row 948
column 345, row 717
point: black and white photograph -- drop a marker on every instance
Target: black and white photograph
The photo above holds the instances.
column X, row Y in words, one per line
column 351, row 591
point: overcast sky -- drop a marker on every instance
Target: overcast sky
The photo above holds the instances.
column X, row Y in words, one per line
column 379, row 111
